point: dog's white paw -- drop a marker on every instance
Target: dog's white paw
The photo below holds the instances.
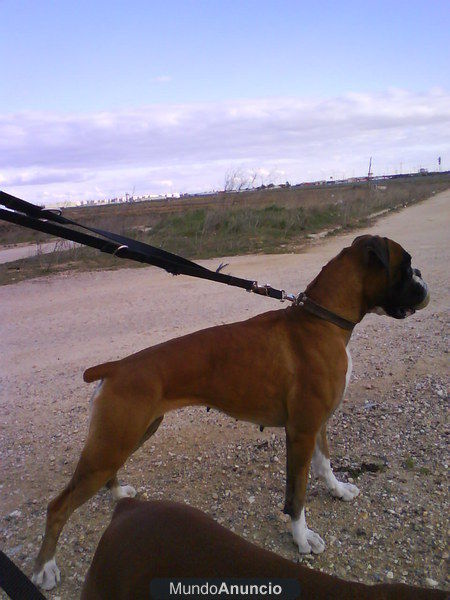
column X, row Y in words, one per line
column 345, row 491
column 48, row 576
column 123, row 491
column 306, row 539
column 310, row 542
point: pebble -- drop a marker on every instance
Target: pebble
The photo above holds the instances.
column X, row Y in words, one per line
column 15, row 514
column 15, row 550
column 431, row 582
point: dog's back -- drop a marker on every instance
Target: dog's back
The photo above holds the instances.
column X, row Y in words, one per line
column 159, row 539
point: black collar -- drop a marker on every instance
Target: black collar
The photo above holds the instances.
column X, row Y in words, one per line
column 323, row 313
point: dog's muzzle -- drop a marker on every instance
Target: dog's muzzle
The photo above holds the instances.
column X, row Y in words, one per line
column 414, row 296
column 426, row 300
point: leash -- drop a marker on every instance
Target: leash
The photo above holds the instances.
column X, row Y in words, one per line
column 15, row 583
column 51, row 221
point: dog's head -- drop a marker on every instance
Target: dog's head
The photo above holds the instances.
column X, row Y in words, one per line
column 402, row 290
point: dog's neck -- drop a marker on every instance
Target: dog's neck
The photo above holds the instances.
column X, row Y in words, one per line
column 347, row 300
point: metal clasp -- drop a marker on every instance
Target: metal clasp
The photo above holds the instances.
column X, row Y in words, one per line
column 300, row 299
column 54, row 211
column 290, row 297
column 119, row 249
column 260, row 289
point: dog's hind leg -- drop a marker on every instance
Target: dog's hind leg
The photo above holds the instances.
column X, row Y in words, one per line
column 127, row 491
column 119, row 491
column 116, row 428
column 86, row 481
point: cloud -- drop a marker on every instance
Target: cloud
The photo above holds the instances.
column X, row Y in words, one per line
column 39, row 176
column 162, row 79
column 192, row 146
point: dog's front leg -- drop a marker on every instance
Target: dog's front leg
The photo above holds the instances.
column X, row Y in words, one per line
column 299, row 451
column 322, row 468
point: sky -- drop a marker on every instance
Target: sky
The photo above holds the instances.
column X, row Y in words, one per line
column 99, row 98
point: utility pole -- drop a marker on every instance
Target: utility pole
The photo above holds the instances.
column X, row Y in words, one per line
column 369, row 173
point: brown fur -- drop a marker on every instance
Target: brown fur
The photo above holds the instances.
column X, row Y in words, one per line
column 285, row 368
column 148, row 540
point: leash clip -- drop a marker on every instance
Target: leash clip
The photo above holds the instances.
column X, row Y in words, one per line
column 300, row 299
column 263, row 290
column 290, row 297
column 123, row 247
column 53, row 211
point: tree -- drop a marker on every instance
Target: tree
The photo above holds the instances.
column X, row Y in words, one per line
column 236, row 180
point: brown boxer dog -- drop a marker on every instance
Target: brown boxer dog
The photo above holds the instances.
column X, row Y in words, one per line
column 160, row 539
column 285, row 368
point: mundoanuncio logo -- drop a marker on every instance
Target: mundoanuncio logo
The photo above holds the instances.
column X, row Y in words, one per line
column 210, row 589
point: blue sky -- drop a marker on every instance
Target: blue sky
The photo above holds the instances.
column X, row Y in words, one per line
column 285, row 88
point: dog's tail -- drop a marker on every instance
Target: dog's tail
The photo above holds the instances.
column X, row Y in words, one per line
column 99, row 371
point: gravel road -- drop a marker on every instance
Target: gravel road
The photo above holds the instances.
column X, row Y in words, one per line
column 389, row 435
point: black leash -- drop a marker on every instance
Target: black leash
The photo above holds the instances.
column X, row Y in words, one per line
column 51, row 221
column 15, row 583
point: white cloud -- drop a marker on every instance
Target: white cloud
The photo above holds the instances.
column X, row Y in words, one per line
column 192, row 146
column 162, row 79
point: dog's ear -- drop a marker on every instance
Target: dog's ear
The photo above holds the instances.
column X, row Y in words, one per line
column 360, row 238
column 377, row 250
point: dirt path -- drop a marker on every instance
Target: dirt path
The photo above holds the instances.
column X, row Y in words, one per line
column 12, row 253
column 51, row 329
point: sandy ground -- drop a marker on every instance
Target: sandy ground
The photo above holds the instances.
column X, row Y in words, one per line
column 394, row 415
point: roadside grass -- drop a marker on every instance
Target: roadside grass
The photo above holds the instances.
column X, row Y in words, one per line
column 220, row 230
column 205, row 233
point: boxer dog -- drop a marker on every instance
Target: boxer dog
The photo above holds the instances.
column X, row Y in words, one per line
column 285, row 368
column 160, row 539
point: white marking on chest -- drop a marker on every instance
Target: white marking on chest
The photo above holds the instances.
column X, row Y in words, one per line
column 349, row 370
column 347, row 379
column 96, row 392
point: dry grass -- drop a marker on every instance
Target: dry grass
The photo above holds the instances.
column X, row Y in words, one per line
column 223, row 225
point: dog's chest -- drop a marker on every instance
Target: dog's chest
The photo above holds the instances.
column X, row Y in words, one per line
column 341, row 395
column 349, row 371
